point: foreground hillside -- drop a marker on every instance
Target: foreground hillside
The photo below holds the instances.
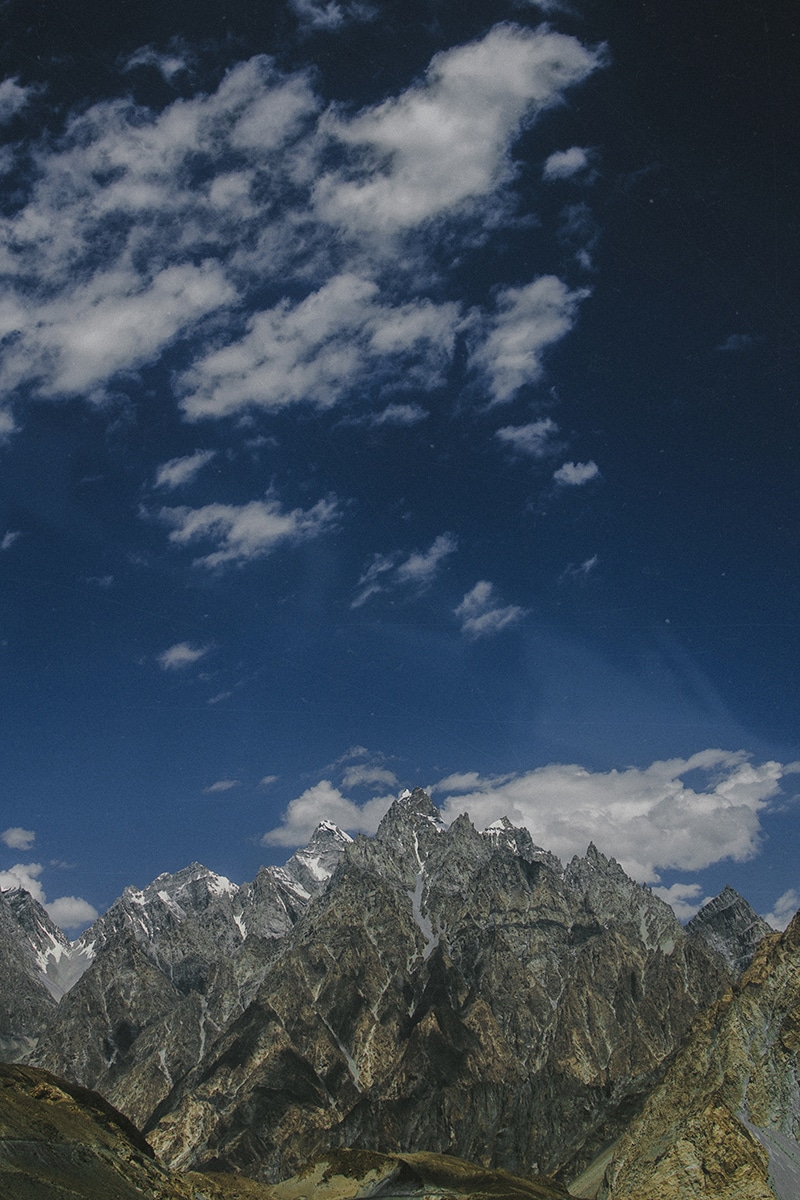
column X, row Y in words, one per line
column 724, row 1123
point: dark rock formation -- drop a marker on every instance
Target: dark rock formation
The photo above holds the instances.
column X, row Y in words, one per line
column 730, row 926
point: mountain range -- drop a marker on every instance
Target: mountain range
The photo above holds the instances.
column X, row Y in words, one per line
column 428, row 989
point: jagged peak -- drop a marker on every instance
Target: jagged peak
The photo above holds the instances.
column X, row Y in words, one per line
column 415, row 803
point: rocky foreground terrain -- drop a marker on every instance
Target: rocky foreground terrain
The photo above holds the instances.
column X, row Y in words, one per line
column 440, row 990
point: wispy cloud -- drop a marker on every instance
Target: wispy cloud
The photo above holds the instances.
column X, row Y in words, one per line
column 10, row 538
column 181, row 655
column 222, row 785
column 181, row 470
column 332, row 15
column 581, row 572
column 13, row 98
column 535, row 439
column 482, row 616
column 245, row 532
column 575, row 474
column 735, row 342
column 416, row 570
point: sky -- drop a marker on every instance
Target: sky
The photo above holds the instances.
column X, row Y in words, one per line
column 393, row 395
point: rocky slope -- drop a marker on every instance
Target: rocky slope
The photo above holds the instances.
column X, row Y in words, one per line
column 725, row 1121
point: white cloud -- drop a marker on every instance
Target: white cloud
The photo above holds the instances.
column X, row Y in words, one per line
column 17, row 838
column 71, row 912
column 481, row 615
column 445, row 142
column 527, row 320
column 683, row 898
column 648, row 819
column 9, row 538
column 417, row 570
column 534, row 439
column 181, row 655
column 178, row 471
column 267, row 781
column 785, row 908
column 563, row 164
column 24, row 875
column 222, row 785
column 315, row 351
column 245, row 532
column 323, row 801
column 573, row 474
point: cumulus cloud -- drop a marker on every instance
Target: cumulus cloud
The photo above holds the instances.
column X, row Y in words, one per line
column 650, row 819
column 534, row 439
column 416, row 570
column 445, row 143
column 482, row 616
column 509, row 352
column 17, row 838
column 563, row 164
column 181, row 470
column 181, row 655
column 323, row 801
column 243, row 532
column 315, row 351
column 574, row 474
column 785, row 907
column 70, row 912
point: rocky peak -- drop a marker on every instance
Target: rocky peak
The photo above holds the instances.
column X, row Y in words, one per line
column 407, row 834
column 314, row 865
column 731, row 927
column 518, row 841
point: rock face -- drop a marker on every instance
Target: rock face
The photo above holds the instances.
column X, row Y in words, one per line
column 38, row 965
column 433, row 988
column 726, row 1119
column 730, row 926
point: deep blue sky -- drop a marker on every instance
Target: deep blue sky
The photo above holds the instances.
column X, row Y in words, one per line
column 398, row 394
